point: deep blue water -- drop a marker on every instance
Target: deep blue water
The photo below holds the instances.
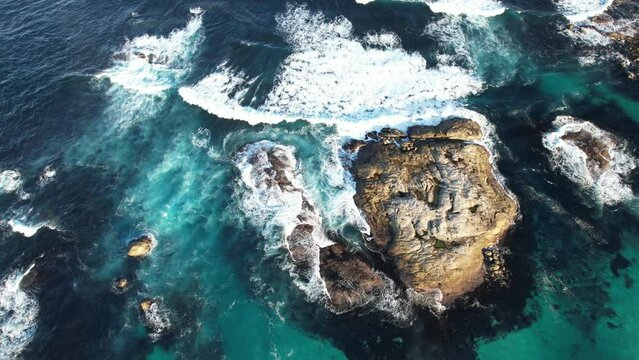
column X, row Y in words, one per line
column 130, row 156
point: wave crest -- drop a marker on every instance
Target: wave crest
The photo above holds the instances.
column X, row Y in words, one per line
column 334, row 77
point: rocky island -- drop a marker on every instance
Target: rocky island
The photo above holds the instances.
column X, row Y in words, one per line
column 433, row 204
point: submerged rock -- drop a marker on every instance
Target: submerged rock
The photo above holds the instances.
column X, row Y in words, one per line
column 433, row 209
column 141, row 246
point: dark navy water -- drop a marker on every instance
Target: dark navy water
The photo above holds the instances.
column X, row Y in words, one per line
column 107, row 149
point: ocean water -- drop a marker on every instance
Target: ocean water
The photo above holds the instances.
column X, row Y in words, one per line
column 119, row 119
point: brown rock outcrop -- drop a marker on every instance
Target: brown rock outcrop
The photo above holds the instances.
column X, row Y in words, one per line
column 350, row 280
column 433, row 209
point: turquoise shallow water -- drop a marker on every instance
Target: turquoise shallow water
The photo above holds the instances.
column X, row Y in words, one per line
column 126, row 153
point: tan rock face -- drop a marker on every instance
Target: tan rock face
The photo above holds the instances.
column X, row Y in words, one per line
column 145, row 304
column 433, row 209
column 140, row 247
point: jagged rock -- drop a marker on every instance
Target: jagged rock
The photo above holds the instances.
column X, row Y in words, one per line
column 596, row 148
column 598, row 161
column 353, row 146
column 407, row 146
column 495, row 265
column 314, row 258
column 391, row 133
column 434, row 209
column 350, row 280
column 141, row 246
column 453, row 129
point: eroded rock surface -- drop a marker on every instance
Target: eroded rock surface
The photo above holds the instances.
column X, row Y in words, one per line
column 434, row 208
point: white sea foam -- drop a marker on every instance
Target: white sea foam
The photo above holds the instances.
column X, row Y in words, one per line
column 606, row 185
column 152, row 64
column 27, row 222
column 341, row 207
column 458, row 7
column 475, row 43
column 10, row 181
column 18, row 315
column 47, row 176
column 157, row 319
column 278, row 209
column 580, row 10
column 25, row 228
column 201, row 138
column 334, row 77
column 196, row 10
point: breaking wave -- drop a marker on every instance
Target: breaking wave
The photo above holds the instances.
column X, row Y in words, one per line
column 329, row 79
column 458, row 7
column 26, row 228
column 157, row 319
column 152, row 64
column 10, row 181
column 274, row 201
column 580, row 10
column 18, row 315
column 573, row 147
column 478, row 44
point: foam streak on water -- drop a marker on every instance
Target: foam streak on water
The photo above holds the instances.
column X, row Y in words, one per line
column 334, row 77
column 18, row 315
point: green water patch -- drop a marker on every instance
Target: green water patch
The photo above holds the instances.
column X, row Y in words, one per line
column 554, row 336
column 562, row 88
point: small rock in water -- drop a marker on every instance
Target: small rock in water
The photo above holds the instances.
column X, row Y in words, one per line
column 145, row 304
column 141, row 246
column 121, row 283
